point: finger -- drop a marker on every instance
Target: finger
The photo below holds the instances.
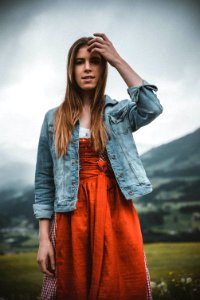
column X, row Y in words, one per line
column 98, row 50
column 95, row 40
column 95, row 44
column 52, row 261
column 47, row 272
column 102, row 35
column 43, row 268
column 39, row 261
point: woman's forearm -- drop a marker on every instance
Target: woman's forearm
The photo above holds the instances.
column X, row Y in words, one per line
column 44, row 230
column 128, row 74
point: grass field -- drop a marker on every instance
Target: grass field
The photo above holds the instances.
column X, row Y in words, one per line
column 174, row 270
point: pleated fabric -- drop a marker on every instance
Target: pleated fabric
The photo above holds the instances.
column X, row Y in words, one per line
column 99, row 246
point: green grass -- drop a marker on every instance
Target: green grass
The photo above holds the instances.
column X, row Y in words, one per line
column 171, row 265
column 179, row 258
column 21, row 279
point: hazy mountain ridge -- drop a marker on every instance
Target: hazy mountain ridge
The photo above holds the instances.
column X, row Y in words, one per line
column 175, row 158
column 174, row 169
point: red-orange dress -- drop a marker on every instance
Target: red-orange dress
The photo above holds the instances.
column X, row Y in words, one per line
column 99, row 246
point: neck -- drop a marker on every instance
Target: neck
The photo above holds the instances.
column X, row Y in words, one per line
column 87, row 97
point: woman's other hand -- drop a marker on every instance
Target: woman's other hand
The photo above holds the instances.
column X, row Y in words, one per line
column 46, row 257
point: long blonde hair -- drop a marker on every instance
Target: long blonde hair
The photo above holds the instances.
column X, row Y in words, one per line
column 69, row 111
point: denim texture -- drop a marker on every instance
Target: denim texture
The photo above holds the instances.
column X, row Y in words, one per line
column 57, row 180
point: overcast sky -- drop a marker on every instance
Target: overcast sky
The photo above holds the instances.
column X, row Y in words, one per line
column 159, row 39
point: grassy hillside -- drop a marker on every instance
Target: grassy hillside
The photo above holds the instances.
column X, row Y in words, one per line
column 174, row 271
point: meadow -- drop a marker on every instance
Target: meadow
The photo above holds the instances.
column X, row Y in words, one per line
column 174, row 272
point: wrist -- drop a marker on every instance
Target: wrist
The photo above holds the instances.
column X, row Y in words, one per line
column 119, row 61
column 43, row 238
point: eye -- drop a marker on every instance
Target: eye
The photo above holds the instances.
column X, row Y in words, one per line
column 78, row 62
column 96, row 61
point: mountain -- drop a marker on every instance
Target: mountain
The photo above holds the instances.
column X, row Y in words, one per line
column 174, row 169
column 15, row 206
column 179, row 158
column 171, row 212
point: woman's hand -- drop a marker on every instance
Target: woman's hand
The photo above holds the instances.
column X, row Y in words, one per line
column 104, row 47
column 46, row 258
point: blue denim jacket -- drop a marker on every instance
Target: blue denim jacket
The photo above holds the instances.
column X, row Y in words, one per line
column 57, row 180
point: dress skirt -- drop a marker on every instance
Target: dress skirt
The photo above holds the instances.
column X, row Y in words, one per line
column 98, row 247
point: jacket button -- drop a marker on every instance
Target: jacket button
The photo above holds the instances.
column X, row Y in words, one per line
column 130, row 193
column 73, row 182
column 113, row 157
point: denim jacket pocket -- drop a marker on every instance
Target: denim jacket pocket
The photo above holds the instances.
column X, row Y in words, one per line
column 119, row 125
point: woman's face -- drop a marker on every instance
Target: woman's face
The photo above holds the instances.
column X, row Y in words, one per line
column 87, row 68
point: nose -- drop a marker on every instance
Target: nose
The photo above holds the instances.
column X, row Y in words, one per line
column 87, row 65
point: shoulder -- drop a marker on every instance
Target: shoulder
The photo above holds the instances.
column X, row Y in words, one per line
column 49, row 115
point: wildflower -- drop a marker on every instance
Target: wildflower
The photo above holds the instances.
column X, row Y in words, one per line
column 163, row 287
column 182, row 279
column 153, row 284
column 188, row 279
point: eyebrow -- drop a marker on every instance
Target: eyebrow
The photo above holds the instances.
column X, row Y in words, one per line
column 90, row 57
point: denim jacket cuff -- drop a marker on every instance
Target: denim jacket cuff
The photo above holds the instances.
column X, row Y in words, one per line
column 43, row 211
column 134, row 91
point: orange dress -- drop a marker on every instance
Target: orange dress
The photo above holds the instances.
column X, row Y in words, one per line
column 99, row 246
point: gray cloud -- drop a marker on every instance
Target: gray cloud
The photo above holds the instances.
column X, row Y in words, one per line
column 165, row 31
column 159, row 39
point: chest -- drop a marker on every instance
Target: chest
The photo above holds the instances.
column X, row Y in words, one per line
column 85, row 117
column 84, row 132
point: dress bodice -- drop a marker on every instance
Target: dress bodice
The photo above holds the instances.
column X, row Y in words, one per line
column 85, row 133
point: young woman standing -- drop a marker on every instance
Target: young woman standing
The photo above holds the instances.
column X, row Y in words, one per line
column 88, row 172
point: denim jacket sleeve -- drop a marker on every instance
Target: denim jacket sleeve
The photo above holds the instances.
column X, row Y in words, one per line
column 44, row 188
column 144, row 105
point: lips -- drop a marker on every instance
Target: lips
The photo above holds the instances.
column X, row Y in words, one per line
column 88, row 77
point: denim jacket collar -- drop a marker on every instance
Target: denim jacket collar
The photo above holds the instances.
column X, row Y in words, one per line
column 109, row 100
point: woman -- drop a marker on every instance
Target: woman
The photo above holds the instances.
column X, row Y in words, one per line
column 88, row 171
